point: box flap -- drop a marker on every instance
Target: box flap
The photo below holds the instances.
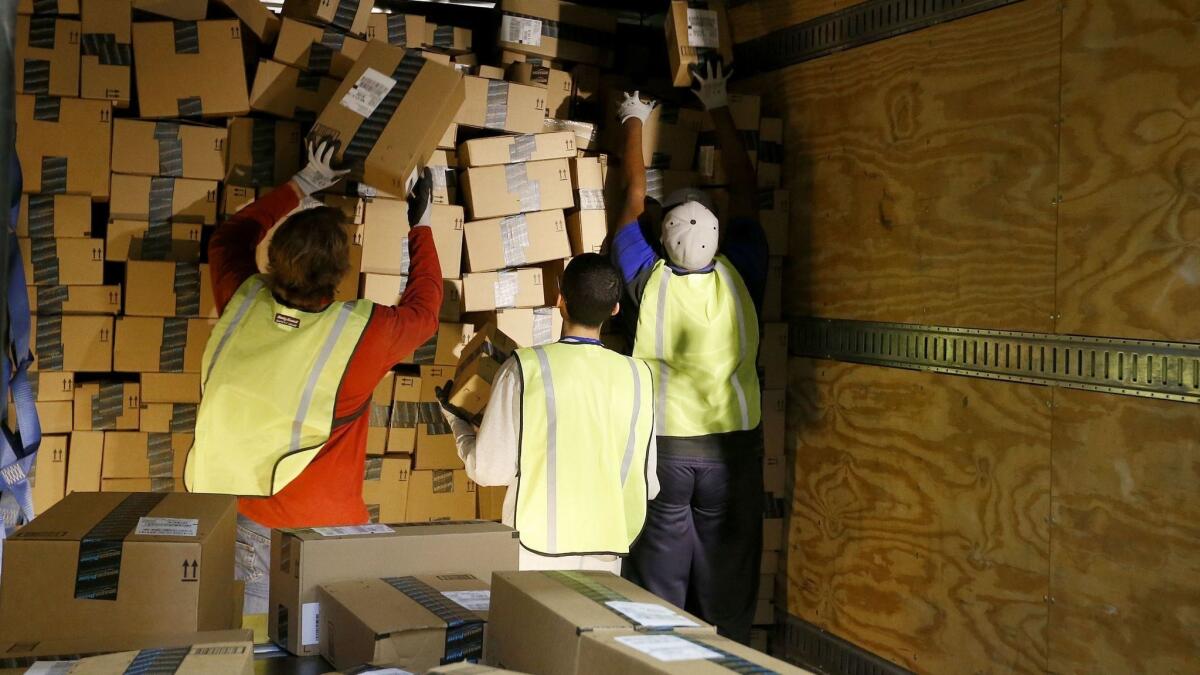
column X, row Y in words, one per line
column 399, row 604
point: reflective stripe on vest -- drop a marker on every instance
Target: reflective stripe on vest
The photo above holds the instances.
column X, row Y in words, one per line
column 271, row 377
column 700, row 332
column 586, row 422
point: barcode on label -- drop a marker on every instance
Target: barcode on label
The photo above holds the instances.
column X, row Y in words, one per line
column 521, row 30
column 702, row 28
column 368, row 92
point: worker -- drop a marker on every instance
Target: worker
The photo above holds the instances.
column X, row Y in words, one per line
column 696, row 297
column 569, row 428
column 288, row 373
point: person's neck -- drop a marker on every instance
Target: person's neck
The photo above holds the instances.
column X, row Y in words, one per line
column 572, row 329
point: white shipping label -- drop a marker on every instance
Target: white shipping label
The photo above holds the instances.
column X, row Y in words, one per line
column 702, row 28
column 167, row 527
column 667, row 647
column 310, row 624
column 368, row 92
column 350, row 530
column 649, row 614
column 476, row 601
column 50, row 668
column 521, row 30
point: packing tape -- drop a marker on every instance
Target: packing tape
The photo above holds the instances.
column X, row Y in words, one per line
column 262, row 152
column 405, row 264
column 43, row 255
column 514, row 239
column 443, row 36
column 654, row 184
column 660, row 160
column 99, row 568
column 190, row 106
column 39, row 214
column 54, row 175
column 522, row 148
column 587, row 585
column 187, row 289
column 431, row 417
column 158, row 660
column 183, row 418
column 42, row 31
column 187, row 37
column 443, row 481
column 343, row 17
column 505, row 289
column 379, row 416
column 497, row 105
column 517, row 183
column 373, row 468
column 49, row 345
column 770, row 152
column 162, row 485
column 397, row 30
column 160, row 454
column 35, row 76
column 464, row 628
column 46, row 108
column 308, row 81
column 564, row 31
column 727, row 660
column 749, row 138
column 174, row 341
column 106, row 49
column 405, row 415
column 320, row 57
column 155, row 241
column 170, row 149
column 368, row 132
column 539, row 75
column 591, row 199
column 50, row 299
column 543, row 325
column 45, row 6
column 424, row 355
column 107, row 405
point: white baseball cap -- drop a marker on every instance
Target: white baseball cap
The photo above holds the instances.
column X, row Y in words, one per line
column 690, row 235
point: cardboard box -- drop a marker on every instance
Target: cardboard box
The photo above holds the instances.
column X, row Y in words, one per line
column 775, row 217
column 452, row 301
column 74, row 299
column 321, row 50
column 53, row 386
column 696, row 33
column 469, row 669
column 773, row 355
column 451, row 39
column 58, row 7
column 380, row 414
column 523, row 287
column 55, row 417
column 477, row 369
column 398, row 30
column 773, row 297
column 153, row 344
column 412, row 622
column 385, row 487
column 54, row 216
column 142, row 240
column 448, row 225
column 443, row 347
column 385, row 237
column 558, row 30
column 262, row 153
column 155, row 288
column 491, row 73
column 773, row 534
column 491, row 502
column 145, row 148
column 288, row 92
column 406, row 414
column 139, row 577
column 493, row 191
column 65, row 145
column 74, row 343
column 305, row 559
column 537, row 619
column 774, row 474
column 440, row 494
column 83, row 467
column 224, row 657
column 62, row 262
column 170, row 387
column 354, row 208
column 448, row 139
column 182, row 10
column 529, row 327
column 774, row 422
column 409, row 101
column 559, row 86
column 48, row 479
column 190, row 69
column 387, row 289
column 347, row 289
column 660, row 183
column 234, row 198
column 136, row 454
column 587, row 230
column 46, row 56
column 512, row 241
column 585, row 132
column 254, row 15
column 24, row 655
column 502, row 106
column 348, row 15
column 435, row 446
column 633, row 653
column 669, row 137
column 770, row 152
column 587, row 175
column 161, row 199
column 770, row 563
column 514, row 149
column 106, row 406
column 155, row 485
column 167, row 418
column 106, row 68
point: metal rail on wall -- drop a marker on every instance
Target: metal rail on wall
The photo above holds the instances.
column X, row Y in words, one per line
column 1147, row 368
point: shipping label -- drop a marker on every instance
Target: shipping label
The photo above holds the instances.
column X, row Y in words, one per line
column 350, row 530
column 167, row 527
column 368, row 92
column 702, row 28
column 310, row 624
column 649, row 615
column 521, row 30
column 667, row 647
column 476, row 601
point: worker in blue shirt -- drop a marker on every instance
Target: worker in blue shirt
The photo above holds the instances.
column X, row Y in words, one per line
column 696, row 293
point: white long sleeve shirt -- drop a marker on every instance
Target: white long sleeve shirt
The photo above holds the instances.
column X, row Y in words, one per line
column 492, row 459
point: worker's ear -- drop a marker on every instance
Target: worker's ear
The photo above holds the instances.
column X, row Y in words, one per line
column 562, row 307
column 616, row 309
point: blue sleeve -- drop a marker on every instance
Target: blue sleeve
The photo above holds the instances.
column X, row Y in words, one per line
column 746, row 248
column 632, row 253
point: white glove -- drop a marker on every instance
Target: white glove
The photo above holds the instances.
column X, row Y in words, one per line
column 318, row 174
column 634, row 106
column 711, row 90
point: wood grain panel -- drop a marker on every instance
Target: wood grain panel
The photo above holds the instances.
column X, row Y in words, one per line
column 1125, row 539
column 922, row 173
column 755, row 19
column 1129, row 246
column 919, row 529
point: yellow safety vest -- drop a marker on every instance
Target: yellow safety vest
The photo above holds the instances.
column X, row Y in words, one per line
column 699, row 332
column 586, row 425
column 270, row 380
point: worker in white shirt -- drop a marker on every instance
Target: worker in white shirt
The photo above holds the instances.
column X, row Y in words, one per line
column 569, row 428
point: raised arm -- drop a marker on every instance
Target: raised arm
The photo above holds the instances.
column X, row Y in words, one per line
column 743, row 182
column 633, row 113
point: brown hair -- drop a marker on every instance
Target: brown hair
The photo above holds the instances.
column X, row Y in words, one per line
column 308, row 256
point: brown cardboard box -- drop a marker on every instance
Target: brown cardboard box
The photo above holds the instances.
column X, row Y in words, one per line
column 385, row 237
column 773, row 355
column 770, row 153
column 523, row 287
column 353, row 207
column 403, row 133
column 170, row 387
column 83, row 467
column 491, row 502
column 165, row 418
column 201, row 659
column 493, row 191
column 48, row 480
column 161, row 198
column 660, row 183
column 773, row 535
column 537, row 619
column 348, row 15
column 303, row 560
column 774, row 215
column 59, row 588
column 477, row 369
column 491, row 73
column 774, row 473
column 511, row 241
column 385, row 487
column 406, row 414
column 347, row 289
column 773, row 297
column 254, row 15
column 182, row 10
column 65, row 145
column 587, row 231
column 451, row 39
column 770, row 562
column 502, row 106
column 559, row 86
column 558, row 30
column 529, row 327
column 515, row 149
column 136, row 454
column 262, row 153
column 452, row 301
column 321, row 50
column 435, row 446
column 289, row 92
column 585, row 132
column 74, row 299
column 234, row 198
column 74, row 343
column 408, row 622
column 440, row 494
column 139, row 240
column 60, row 7
column 448, row 238
column 24, row 655
column 774, row 421
column 152, row 344
column 764, row 614
column 696, row 31
column 156, row 485
column 469, row 669
column 106, row 69
column 398, row 30
column 46, row 56
column 448, row 139
column 380, row 414
column 55, row 417
column 443, row 347
column 106, row 406
column 669, row 137
column 633, row 653
column 54, row 386
column 146, row 148
column 55, row 216
column 208, row 81
column 62, row 262
column 151, row 289
column 443, row 164
column 587, row 175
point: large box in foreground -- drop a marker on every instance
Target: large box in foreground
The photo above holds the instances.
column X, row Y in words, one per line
column 302, row 560
column 632, row 653
column 115, row 564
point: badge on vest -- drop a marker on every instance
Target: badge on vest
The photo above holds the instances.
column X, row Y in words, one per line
column 285, row 320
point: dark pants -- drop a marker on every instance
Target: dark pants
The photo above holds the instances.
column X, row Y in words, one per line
column 702, row 545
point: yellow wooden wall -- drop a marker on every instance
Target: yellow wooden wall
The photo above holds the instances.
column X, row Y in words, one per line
column 1036, row 167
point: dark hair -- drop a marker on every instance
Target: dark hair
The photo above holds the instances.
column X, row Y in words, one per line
column 308, row 256
column 591, row 288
